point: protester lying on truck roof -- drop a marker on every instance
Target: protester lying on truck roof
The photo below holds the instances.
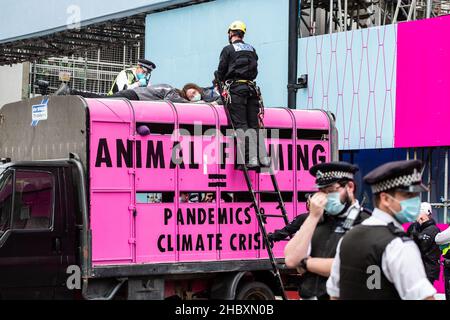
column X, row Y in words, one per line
column 149, row 93
column 195, row 93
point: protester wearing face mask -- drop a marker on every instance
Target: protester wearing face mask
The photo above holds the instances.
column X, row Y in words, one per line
column 155, row 92
column 195, row 93
column 332, row 212
column 376, row 259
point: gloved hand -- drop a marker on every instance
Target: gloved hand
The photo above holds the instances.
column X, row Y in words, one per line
column 270, row 238
column 278, row 235
column 143, row 82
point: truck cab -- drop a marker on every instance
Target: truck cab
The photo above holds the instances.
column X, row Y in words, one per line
column 38, row 229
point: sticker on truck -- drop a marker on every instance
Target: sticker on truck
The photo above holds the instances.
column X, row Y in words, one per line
column 39, row 112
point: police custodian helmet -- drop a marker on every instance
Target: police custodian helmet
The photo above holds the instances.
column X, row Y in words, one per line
column 403, row 176
column 331, row 172
column 147, row 64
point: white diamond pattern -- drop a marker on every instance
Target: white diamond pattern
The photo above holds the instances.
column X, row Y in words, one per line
column 353, row 75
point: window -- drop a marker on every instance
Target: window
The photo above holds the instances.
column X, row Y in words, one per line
column 33, row 200
column 197, row 197
column 158, row 128
column 6, row 193
column 154, row 197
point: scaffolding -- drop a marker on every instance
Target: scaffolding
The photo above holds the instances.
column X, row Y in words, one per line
column 93, row 70
column 120, row 29
column 328, row 16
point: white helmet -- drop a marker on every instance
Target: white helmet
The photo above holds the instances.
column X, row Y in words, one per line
column 425, row 207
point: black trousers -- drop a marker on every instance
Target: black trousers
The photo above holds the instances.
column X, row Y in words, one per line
column 447, row 279
column 128, row 94
column 244, row 111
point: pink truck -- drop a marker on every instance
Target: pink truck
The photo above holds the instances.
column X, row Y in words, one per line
column 91, row 209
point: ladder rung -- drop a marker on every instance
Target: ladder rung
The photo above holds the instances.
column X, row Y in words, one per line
column 267, row 192
column 286, row 239
column 272, row 215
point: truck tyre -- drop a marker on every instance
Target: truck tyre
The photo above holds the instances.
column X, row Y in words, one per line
column 254, row 291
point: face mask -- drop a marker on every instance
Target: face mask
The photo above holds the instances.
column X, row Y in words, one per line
column 197, row 97
column 410, row 210
column 334, row 205
column 140, row 76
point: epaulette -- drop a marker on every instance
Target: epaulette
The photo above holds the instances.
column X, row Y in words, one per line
column 368, row 211
column 399, row 232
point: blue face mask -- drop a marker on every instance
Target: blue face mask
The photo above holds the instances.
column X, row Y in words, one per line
column 334, row 205
column 197, row 97
column 410, row 210
column 140, row 76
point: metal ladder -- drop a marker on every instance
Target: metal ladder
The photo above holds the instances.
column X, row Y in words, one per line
column 261, row 216
column 262, row 221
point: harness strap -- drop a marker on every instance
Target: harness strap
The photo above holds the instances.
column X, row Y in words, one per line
column 227, row 96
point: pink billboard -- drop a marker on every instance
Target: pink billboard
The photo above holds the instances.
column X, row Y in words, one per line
column 423, row 83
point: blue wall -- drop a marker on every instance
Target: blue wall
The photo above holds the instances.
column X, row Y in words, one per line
column 186, row 43
column 367, row 160
column 353, row 75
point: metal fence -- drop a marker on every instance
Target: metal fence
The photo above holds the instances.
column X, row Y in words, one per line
column 92, row 71
column 436, row 177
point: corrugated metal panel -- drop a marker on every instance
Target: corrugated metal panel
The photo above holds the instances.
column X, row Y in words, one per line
column 63, row 132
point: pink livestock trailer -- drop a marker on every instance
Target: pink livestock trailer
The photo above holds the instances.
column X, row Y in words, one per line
column 151, row 216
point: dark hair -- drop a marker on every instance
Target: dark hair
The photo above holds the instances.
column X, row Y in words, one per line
column 344, row 182
column 237, row 33
column 376, row 196
column 188, row 86
column 180, row 93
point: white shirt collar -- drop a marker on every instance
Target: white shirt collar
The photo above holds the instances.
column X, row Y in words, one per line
column 354, row 205
column 385, row 218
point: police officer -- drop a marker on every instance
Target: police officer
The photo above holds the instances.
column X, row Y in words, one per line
column 423, row 231
column 332, row 212
column 238, row 68
column 376, row 260
column 131, row 78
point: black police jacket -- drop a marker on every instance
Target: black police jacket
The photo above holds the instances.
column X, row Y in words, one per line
column 361, row 248
column 324, row 242
column 424, row 235
column 238, row 61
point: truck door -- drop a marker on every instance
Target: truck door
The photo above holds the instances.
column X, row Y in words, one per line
column 30, row 253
